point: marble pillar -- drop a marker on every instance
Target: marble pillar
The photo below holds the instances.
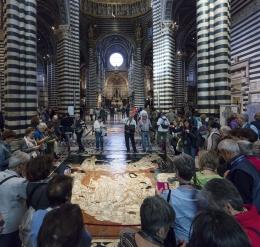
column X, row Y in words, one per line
column 163, row 59
column 20, row 63
column 213, row 54
column 68, row 61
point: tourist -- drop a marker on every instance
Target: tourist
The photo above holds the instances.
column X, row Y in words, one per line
column 29, row 144
column 216, row 229
column 40, row 136
column 163, row 125
column 13, row 196
column 243, row 123
column 130, row 126
column 189, row 138
column 208, row 164
column 171, row 115
column 66, row 128
column 233, row 121
column 59, row 192
column 243, row 134
column 57, row 230
column 144, row 125
column 102, row 114
column 99, row 130
column 221, row 194
column 241, row 172
column 37, row 174
column 183, row 199
column 91, row 114
column 5, row 148
column 214, row 136
column 156, row 219
column 224, row 132
column 79, row 126
column 2, row 122
column 256, row 123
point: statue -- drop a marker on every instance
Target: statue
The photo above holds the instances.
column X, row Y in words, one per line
column 138, row 32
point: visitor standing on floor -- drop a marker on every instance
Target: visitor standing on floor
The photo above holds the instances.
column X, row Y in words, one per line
column 130, row 126
column 99, row 131
column 163, row 125
column 144, row 125
column 91, row 113
column 79, row 125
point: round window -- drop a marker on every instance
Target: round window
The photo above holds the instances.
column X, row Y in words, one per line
column 116, row 59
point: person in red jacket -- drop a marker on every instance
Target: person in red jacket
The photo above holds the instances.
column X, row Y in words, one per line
column 221, row 194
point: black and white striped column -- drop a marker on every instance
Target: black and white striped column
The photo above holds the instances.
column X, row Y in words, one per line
column 68, row 61
column 52, row 83
column 20, row 63
column 163, row 59
column 92, row 83
column 180, row 86
column 2, row 82
column 139, row 96
column 213, row 54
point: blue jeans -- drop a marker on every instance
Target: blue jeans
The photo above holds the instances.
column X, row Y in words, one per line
column 99, row 140
column 190, row 151
column 146, row 143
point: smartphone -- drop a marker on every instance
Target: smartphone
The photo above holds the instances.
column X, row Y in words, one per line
column 162, row 186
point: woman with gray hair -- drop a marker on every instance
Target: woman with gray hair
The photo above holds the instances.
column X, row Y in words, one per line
column 156, row 218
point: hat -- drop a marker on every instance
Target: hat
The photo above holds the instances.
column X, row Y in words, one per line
column 18, row 158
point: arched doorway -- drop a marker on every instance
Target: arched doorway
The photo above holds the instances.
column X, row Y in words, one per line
column 115, row 90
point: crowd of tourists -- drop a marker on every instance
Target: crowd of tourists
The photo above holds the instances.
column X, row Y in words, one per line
column 216, row 203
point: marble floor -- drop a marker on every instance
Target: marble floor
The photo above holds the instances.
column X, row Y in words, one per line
column 110, row 186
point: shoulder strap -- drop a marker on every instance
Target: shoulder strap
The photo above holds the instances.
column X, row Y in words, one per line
column 3, row 181
column 169, row 195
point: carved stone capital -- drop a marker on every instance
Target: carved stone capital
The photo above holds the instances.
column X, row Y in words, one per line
column 169, row 26
column 63, row 32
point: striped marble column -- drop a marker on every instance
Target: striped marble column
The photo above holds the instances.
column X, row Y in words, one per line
column 68, row 61
column 213, row 54
column 2, row 82
column 138, row 80
column 163, row 60
column 92, row 83
column 52, row 83
column 20, row 63
column 180, row 86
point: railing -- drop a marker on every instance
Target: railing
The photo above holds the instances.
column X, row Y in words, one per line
column 110, row 10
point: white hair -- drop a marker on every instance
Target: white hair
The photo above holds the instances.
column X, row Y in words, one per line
column 245, row 147
column 229, row 145
column 18, row 158
column 42, row 126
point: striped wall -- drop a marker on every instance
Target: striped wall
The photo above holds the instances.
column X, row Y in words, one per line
column 1, row 70
column 138, row 78
column 213, row 58
column 20, row 63
column 92, row 83
column 245, row 49
column 163, row 60
column 68, row 61
column 180, row 86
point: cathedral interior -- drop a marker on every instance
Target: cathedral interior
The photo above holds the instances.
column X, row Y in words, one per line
column 75, row 56
column 92, row 53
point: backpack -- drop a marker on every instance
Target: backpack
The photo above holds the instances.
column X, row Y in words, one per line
column 252, row 172
column 164, row 125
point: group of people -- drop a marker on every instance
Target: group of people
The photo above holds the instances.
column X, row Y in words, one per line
column 216, row 202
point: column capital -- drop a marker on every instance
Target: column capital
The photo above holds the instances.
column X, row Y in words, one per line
column 64, row 31
column 169, row 26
